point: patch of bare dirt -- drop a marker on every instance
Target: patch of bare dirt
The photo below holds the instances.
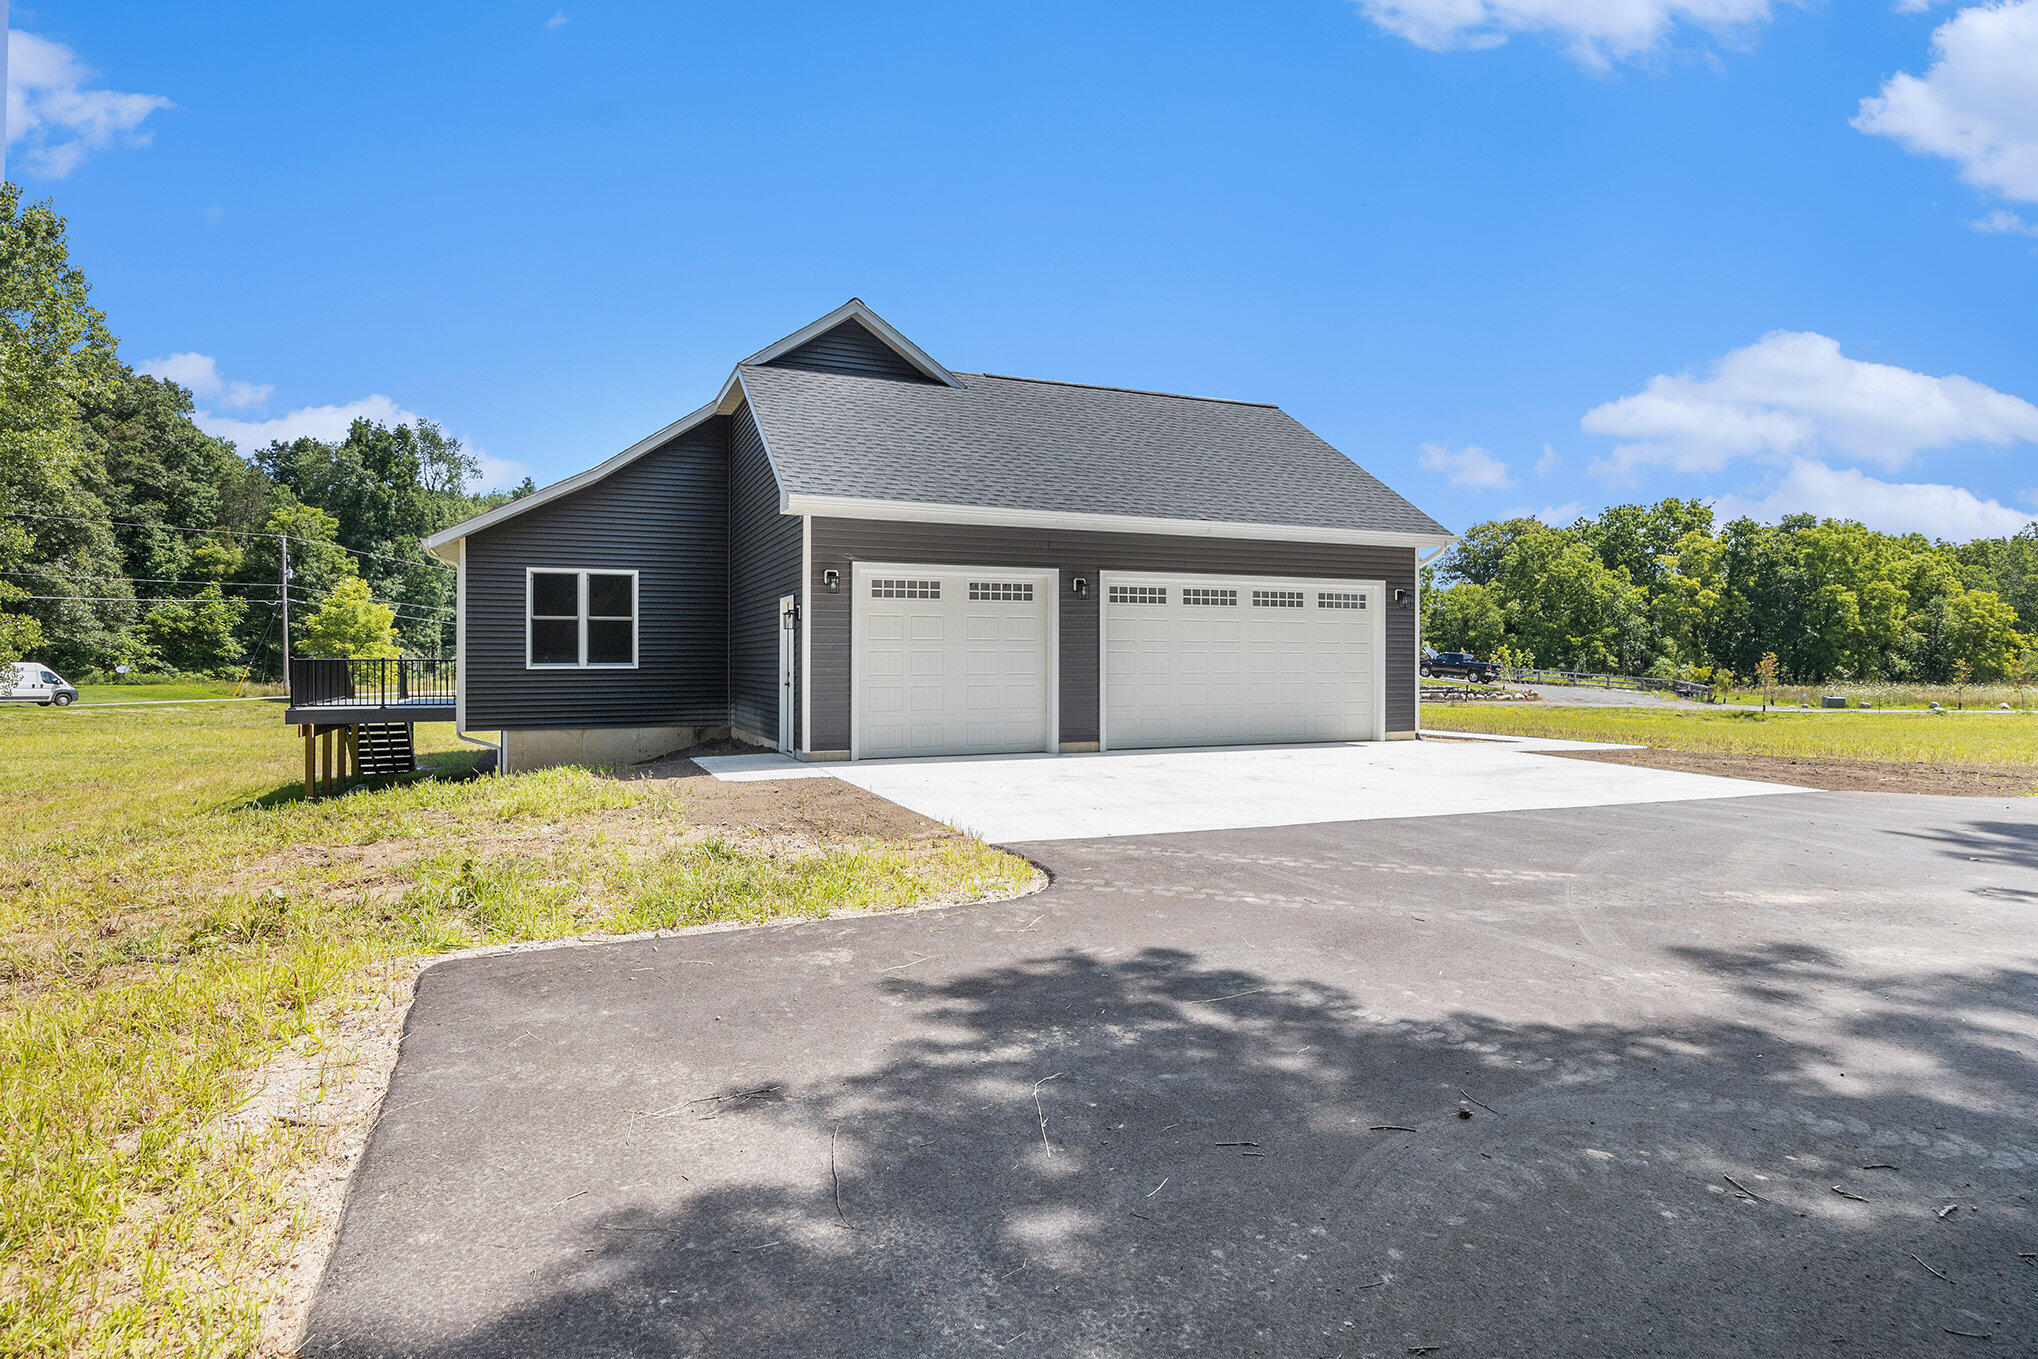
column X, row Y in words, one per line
column 819, row 810
column 1839, row 776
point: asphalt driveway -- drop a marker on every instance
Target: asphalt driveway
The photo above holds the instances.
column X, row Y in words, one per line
column 1744, row 1076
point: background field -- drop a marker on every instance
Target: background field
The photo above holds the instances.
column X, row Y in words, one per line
column 1998, row 741
column 173, row 916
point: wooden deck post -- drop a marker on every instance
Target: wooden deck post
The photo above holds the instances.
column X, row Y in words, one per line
column 325, row 760
column 310, row 761
column 354, row 752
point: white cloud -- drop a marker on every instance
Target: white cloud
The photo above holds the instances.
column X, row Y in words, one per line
column 1936, row 510
column 330, row 423
column 1557, row 516
column 1794, row 394
column 1978, row 103
column 199, row 374
column 1596, row 32
column 55, row 117
column 317, row 422
column 558, row 20
column 1549, row 462
column 1470, row 466
column 497, row 474
column 2003, row 222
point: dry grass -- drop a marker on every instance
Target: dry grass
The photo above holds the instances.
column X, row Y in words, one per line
column 173, row 916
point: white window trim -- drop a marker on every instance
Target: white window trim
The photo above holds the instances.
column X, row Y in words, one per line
column 531, row 573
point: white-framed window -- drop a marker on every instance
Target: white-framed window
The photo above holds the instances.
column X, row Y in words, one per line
column 892, row 588
column 1139, row 594
column 1340, row 599
column 581, row 620
column 1277, row 599
column 1001, row 591
column 1223, row 599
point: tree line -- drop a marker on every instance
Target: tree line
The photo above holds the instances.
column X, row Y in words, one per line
column 130, row 537
column 1659, row 590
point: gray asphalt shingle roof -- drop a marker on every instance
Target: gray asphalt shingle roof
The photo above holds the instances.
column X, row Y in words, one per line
column 1060, row 447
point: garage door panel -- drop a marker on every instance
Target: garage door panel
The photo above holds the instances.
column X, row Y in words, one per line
column 962, row 654
column 1186, row 665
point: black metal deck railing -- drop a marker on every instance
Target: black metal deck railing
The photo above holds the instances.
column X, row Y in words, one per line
column 393, row 682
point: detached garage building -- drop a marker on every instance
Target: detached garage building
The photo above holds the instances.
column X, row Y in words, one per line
column 855, row 553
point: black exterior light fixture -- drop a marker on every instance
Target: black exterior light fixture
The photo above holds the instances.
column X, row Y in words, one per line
column 1080, row 586
column 832, row 581
column 1404, row 599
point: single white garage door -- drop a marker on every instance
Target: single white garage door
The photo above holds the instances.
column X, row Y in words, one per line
column 1229, row 660
column 951, row 661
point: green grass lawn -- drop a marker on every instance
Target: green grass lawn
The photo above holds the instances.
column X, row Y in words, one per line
column 173, row 915
column 1985, row 741
column 174, row 690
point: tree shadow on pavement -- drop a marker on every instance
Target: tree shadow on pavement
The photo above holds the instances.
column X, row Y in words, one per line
column 1080, row 1154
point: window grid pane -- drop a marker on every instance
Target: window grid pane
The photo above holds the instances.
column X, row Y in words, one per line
column 1139, row 594
column 555, row 594
column 1340, row 599
column 1002, row 591
column 609, row 596
column 1277, row 599
column 905, row 589
column 555, row 641
column 1220, row 598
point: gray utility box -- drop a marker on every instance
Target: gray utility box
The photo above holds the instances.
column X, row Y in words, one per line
column 1833, row 701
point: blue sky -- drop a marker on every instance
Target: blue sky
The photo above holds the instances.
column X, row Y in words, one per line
column 1511, row 255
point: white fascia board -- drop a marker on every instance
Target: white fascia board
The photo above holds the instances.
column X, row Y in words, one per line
column 567, row 487
column 844, row 507
column 854, row 309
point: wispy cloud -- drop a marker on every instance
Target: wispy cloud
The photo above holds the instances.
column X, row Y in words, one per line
column 55, row 115
column 558, row 20
column 199, row 375
column 2003, row 222
column 1470, row 466
column 1597, row 33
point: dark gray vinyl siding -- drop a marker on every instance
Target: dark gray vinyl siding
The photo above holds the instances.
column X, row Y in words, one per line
column 840, row 543
column 664, row 516
column 849, row 348
column 764, row 564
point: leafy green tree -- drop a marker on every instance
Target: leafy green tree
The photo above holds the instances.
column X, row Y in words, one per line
column 199, row 636
column 350, row 623
column 55, row 352
column 1466, row 617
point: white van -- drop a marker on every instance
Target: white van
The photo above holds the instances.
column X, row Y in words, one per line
column 34, row 682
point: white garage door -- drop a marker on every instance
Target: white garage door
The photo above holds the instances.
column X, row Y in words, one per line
column 951, row 661
column 1228, row 660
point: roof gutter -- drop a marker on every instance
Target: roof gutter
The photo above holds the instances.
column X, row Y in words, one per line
column 848, row 507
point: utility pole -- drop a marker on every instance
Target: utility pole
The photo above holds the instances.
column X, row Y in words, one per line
column 283, row 588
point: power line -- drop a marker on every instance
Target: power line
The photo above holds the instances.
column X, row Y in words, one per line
column 231, row 533
column 197, row 599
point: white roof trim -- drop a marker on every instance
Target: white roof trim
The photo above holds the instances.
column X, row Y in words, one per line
column 846, row 507
column 568, row 486
column 854, row 309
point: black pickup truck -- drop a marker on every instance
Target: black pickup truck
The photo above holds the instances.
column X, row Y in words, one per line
column 1457, row 665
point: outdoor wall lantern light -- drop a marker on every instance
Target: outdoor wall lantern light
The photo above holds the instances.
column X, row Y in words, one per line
column 1403, row 599
column 833, row 581
column 1082, row 587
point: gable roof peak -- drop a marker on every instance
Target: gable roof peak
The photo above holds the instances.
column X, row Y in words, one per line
column 855, row 309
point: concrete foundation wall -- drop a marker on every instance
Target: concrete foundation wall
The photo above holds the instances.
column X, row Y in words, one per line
column 543, row 749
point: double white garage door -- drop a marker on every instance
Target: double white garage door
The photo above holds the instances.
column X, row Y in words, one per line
column 952, row 661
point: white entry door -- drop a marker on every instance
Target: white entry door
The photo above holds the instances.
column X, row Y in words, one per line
column 952, row 661
column 1231, row 660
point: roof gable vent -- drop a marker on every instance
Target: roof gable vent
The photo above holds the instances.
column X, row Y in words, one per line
column 849, row 347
